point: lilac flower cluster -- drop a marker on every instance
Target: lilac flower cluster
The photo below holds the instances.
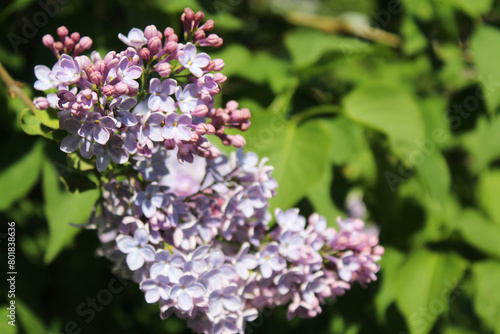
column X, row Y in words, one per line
column 198, row 238
column 156, row 92
column 205, row 250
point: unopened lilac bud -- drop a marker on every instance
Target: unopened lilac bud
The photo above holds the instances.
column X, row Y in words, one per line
column 121, row 88
column 200, row 110
column 69, row 43
column 95, row 77
column 150, row 31
column 232, row 105
column 208, row 26
column 41, row 103
column 75, row 37
column 164, row 69
column 168, row 32
column 145, row 54
column 219, row 78
column 48, row 40
column 84, row 61
column 109, row 56
column 173, row 38
column 171, row 47
column 108, row 90
column 201, row 129
column 199, row 34
column 62, row 32
column 86, row 42
column 378, row 250
column 169, row 144
column 210, row 129
column 154, row 44
column 189, row 14
column 244, row 126
column 220, row 130
column 210, row 66
column 132, row 91
column 194, row 137
column 214, row 152
column 218, row 64
column 58, row 46
column 100, row 66
column 238, row 141
column 199, row 16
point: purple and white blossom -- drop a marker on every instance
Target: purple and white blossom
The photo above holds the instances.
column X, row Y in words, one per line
column 137, row 248
column 193, row 61
column 135, row 38
column 160, row 95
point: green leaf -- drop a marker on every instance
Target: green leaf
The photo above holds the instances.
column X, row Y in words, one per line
column 481, row 143
column 62, row 208
column 479, row 232
column 485, row 48
column 297, row 152
column 30, row 322
column 487, row 297
column 421, row 9
column 236, row 57
column 31, row 125
column 424, row 287
column 474, row 8
column 321, row 198
column 350, row 147
column 20, row 177
column 434, row 174
column 319, row 43
column 489, row 193
column 414, row 40
column 391, row 110
column 390, row 265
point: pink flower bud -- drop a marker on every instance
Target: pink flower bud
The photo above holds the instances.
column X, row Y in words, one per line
column 58, row 46
column 121, row 88
column 150, row 31
column 100, row 66
column 168, row 32
column 62, row 32
column 232, row 105
column 96, row 77
column 75, row 37
column 41, row 103
column 164, row 69
column 171, row 47
column 48, row 40
column 194, row 137
column 219, row 78
column 199, row 34
column 199, row 16
column 69, row 43
column 189, row 14
column 210, row 129
column 145, row 54
column 238, row 141
column 244, row 126
column 201, row 129
column 219, row 64
column 208, row 26
column 200, row 110
column 169, row 144
column 108, row 90
column 154, row 44
column 214, row 152
column 173, row 38
column 109, row 56
column 86, row 42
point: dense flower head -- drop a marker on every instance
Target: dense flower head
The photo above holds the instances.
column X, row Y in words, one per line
column 199, row 238
column 164, row 85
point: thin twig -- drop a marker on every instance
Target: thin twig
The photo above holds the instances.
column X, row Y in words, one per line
column 334, row 25
column 15, row 88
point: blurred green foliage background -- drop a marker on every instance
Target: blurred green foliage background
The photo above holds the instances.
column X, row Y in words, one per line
column 397, row 100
